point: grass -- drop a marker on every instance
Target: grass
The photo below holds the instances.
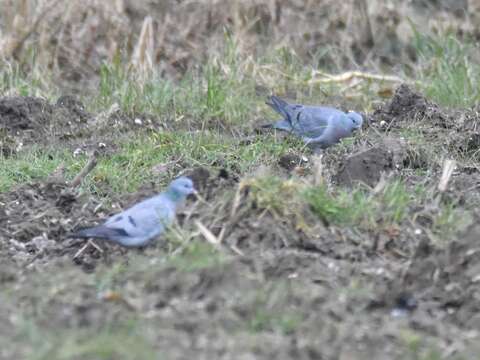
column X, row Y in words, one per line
column 32, row 164
column 356, row 207
column 219, row 91
column 132, row 165
column 196, row 256
column 114, row 341
column 270, row 312
column 14, row 81
column 268, row 320
column 448, row 73
column 360, row 206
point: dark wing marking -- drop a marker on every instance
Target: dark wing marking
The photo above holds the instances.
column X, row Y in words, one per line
column 131, row 221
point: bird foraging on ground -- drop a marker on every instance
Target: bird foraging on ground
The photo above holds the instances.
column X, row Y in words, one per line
column 318, row 126
column 143, row 222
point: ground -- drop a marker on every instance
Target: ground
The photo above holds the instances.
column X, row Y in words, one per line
column 368, row 249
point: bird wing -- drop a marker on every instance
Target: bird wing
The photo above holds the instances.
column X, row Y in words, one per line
column 312, row 121
column 148, row 217
column 337, row 129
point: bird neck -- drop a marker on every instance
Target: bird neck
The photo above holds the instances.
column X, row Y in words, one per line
column 175, row 196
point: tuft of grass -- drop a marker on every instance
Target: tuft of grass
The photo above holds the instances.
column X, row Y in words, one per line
column 269, row 311
column 418, row 347
column 107, row 278
column 197, row 255
column 132, row 165
column 359, row 207
column 15, row 81
column 217, row 90
column 448, row 73
column 394, row 202
column 32, row 164
column 273, row 194
column 115, row 341
column 450, row 219
column 286, row 198
column 265, row 320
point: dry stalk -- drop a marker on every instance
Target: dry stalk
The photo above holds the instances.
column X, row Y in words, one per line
column 89, row 242
column 317, row 170
column 448, row 168
column 17, row 44
column 236, row 200
column 382, row 183
column 207, row 234
column 145, row 49
column 350, row 75
column 91, row 163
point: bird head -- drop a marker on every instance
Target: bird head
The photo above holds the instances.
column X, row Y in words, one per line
column 181, row 187
column 356, row 118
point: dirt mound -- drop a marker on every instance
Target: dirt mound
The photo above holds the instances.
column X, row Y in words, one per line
column 457, row 130
column 409, row 107
column 47, row 209
column 35, row 121
column 445, row 278
column 365, row 167
column 27, row 121
column 22, row 113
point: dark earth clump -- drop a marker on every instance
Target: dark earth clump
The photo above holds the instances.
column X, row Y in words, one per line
column 30, row 121
column 409, row 107
column 290, row 161
column 366, row 167
column 35, row 120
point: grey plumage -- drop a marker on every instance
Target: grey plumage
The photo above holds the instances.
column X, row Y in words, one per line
column 143, row 222
column 318, row 126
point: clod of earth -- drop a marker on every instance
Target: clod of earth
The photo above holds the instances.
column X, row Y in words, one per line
column 366, row 167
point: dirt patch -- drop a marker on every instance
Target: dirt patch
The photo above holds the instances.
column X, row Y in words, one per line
column 27, row 121
column 211, row 183
column 366, row 167
column 409, row 107
column 37, row 117
column 291, row 161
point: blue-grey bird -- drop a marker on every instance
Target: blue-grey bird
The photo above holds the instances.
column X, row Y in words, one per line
column 145, row 221
column 318, row 126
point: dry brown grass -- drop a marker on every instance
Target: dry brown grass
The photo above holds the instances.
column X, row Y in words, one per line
column 73, row 38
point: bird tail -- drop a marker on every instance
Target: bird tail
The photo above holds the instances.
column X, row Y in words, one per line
column 279, row 106
column 100, row 231
column 279, row 125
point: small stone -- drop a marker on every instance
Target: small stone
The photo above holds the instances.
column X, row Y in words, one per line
column 137, row 121
column 113, row 109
